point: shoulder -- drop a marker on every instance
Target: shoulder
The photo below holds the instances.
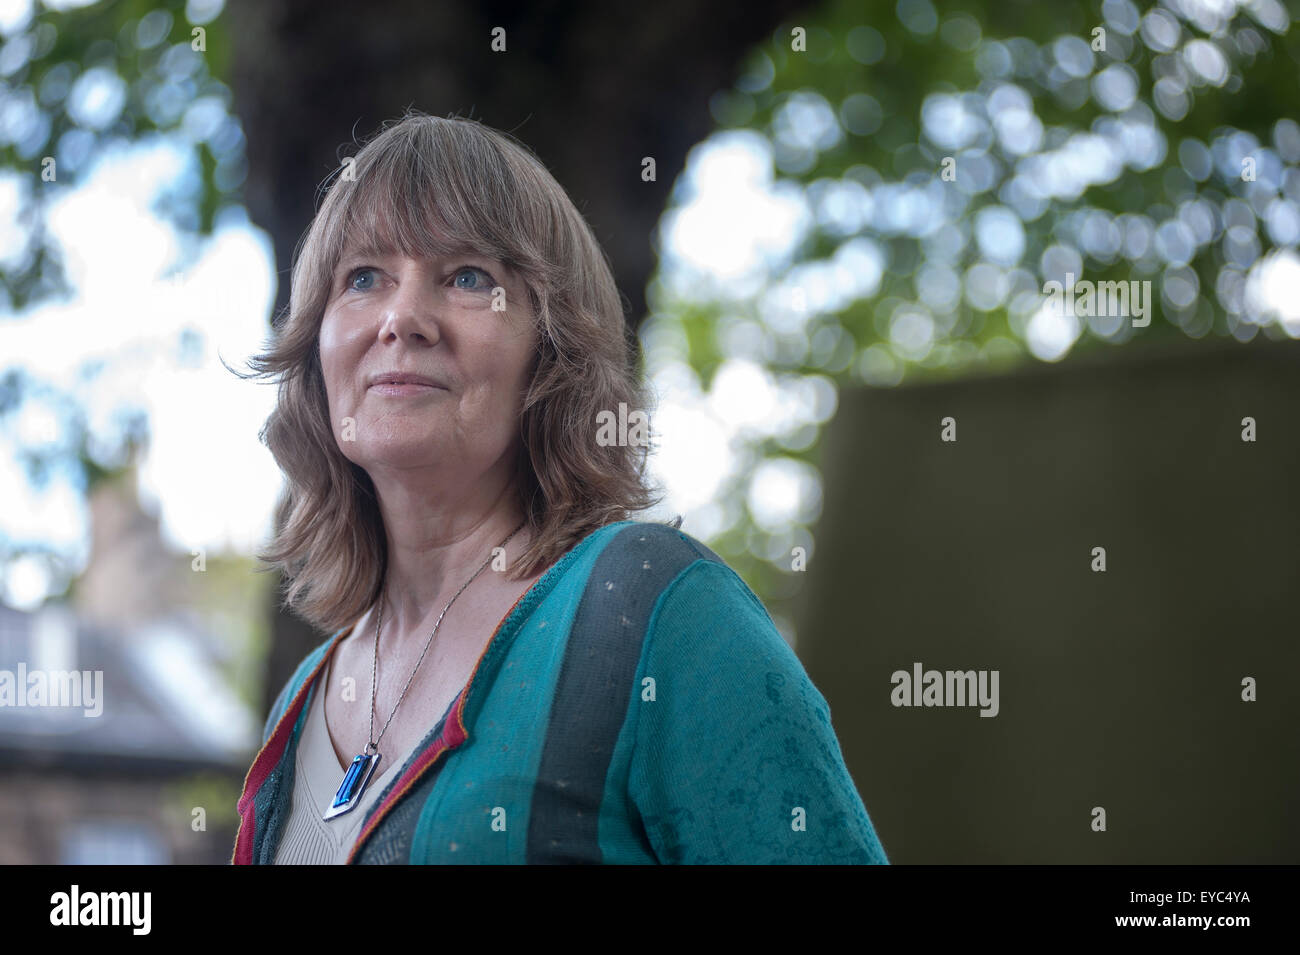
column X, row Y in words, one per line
column 645, row 554
column 668, row 585
column 652, row 587
column 685, row 561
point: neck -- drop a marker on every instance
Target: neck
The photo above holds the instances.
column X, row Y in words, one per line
column 437, row 541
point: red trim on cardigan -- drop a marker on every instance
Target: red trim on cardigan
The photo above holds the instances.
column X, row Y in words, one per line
column 452, row 735
column 267, row 759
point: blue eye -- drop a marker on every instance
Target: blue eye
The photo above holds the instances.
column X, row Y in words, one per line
column 482, row 281
column 479, row 286
column 353, row 278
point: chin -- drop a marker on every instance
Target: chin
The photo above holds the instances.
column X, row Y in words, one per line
column 406, row 451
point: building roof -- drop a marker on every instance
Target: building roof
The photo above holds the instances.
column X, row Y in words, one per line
column 163, row 706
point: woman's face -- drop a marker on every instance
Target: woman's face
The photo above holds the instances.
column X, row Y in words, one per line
column 419, row 367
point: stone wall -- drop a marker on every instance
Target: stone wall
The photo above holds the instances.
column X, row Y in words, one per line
column 1120, row 689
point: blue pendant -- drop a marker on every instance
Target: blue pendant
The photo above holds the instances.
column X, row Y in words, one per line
column 354, row 784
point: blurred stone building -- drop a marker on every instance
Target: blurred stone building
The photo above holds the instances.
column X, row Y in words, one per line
column 143, row 765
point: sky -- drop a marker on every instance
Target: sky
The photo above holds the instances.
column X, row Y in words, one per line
column 205, row 473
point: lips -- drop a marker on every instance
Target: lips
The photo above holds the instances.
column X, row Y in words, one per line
column 403, row 378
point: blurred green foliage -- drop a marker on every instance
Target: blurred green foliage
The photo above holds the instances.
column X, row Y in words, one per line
column 1112, row 156
column 83, row 81
column 80, row 84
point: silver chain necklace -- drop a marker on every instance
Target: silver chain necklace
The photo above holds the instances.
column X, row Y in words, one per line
column 362, row 769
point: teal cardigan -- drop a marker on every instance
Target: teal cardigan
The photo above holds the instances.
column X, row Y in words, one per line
column 636, row 705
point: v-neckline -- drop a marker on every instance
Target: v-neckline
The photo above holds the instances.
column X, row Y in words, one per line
column 328, row 738
column 333, row 650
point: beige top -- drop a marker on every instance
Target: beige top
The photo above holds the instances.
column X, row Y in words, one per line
column 308, row 838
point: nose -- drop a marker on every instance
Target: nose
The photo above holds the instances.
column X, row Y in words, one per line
column 411, row 312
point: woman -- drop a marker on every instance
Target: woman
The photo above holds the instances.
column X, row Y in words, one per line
column 517, row 672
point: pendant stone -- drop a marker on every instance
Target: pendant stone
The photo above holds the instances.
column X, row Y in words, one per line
column 354, row 784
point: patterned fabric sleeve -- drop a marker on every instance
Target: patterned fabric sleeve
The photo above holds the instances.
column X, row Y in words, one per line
column 736, row 761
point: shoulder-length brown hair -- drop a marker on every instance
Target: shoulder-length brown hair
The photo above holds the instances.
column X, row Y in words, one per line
column 426, row 186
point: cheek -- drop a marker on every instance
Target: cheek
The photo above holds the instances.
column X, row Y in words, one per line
column 520, row 352
column 339, row 353
column 333, row 342
column 513, row 373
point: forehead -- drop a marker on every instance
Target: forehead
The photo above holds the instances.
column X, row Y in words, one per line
column 365, row 246
column 375, row 224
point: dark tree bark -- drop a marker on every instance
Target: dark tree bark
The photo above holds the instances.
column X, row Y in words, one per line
column 591, row 87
